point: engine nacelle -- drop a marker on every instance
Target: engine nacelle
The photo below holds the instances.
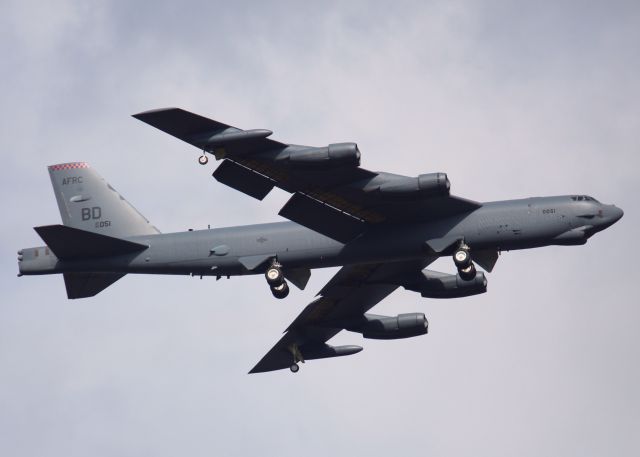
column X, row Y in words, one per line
column 433, row 284
column 392, row 328
column 404, row 187
column 334, row 155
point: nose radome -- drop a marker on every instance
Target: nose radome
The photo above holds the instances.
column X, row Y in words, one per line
column 616, row 214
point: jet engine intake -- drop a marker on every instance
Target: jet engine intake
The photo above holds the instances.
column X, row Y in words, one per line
column 433, row 284
column 404, row 187
column 392, row 328
column 332, row 156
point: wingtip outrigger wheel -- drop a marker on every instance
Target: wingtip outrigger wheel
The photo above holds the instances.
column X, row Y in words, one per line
column 297, row 357
column 203, row 159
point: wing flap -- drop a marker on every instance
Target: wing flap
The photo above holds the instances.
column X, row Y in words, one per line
column 322, row 218
column 243, row 179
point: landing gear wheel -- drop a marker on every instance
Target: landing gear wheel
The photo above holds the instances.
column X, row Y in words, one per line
column 467, row 274
column 294, row 368
column 274, row 276
column 280, row 291
column 462, row 258
column 203, row 159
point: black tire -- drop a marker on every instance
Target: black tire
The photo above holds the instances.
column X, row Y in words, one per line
column 203, row 159
column 294, row 368
column 280, row 291
column 467, row 274
column 274, row 276
column 462, row 258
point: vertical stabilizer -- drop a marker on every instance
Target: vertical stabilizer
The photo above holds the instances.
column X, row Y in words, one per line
column 87, row 202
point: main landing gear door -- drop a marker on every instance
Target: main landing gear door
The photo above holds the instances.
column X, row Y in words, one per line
column 252, row 262
column 442, row 245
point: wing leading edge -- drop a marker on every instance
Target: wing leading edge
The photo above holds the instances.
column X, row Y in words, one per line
column 332, row 194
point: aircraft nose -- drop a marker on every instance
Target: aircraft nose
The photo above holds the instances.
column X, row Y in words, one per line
column 612, row 214
column 616, row 214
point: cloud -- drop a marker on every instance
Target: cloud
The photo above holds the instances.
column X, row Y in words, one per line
column 510, row 100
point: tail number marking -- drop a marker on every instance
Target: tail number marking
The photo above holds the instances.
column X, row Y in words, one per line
column 93, row 213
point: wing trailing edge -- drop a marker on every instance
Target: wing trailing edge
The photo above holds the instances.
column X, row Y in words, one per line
column 243, row 179
column 322, row 218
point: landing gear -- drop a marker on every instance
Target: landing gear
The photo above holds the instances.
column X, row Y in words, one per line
column 274, row 275
column 464, row 264
column 203, row 159
column 297, row 357
column 468, row 273
column 276, row 281
column 462, row 257
column 280, row 291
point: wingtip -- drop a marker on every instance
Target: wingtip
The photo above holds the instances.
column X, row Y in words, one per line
column 151, row 112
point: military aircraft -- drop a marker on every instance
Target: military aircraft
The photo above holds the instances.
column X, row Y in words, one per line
column 383, row 229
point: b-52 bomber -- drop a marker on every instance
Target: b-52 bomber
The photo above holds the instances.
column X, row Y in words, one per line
column 383, row 229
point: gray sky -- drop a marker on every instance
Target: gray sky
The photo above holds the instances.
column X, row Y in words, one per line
column 511, row 99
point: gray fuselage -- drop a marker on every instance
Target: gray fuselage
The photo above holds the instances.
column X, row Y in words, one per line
column 501, row 226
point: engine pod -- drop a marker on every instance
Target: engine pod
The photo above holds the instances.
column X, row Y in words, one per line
column 433, row 284
column 391, row 186
column 392, row 328
column 332, row 156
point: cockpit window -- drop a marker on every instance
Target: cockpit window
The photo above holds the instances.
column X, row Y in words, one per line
column 583, row 198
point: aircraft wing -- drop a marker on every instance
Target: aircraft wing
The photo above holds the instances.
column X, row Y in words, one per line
column 344, row 300
column 332, row 194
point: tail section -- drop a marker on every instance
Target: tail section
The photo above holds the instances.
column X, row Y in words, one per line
column 82, row 285
column 87, row 202
column 96, row 218
column 69, row 243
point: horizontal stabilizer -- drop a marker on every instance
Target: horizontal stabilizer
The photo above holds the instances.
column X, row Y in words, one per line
column 243, row 179
column 82, row 285
column 322, row 218
column 71, row 243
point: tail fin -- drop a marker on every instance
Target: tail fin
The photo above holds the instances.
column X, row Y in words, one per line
column 87, row 202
